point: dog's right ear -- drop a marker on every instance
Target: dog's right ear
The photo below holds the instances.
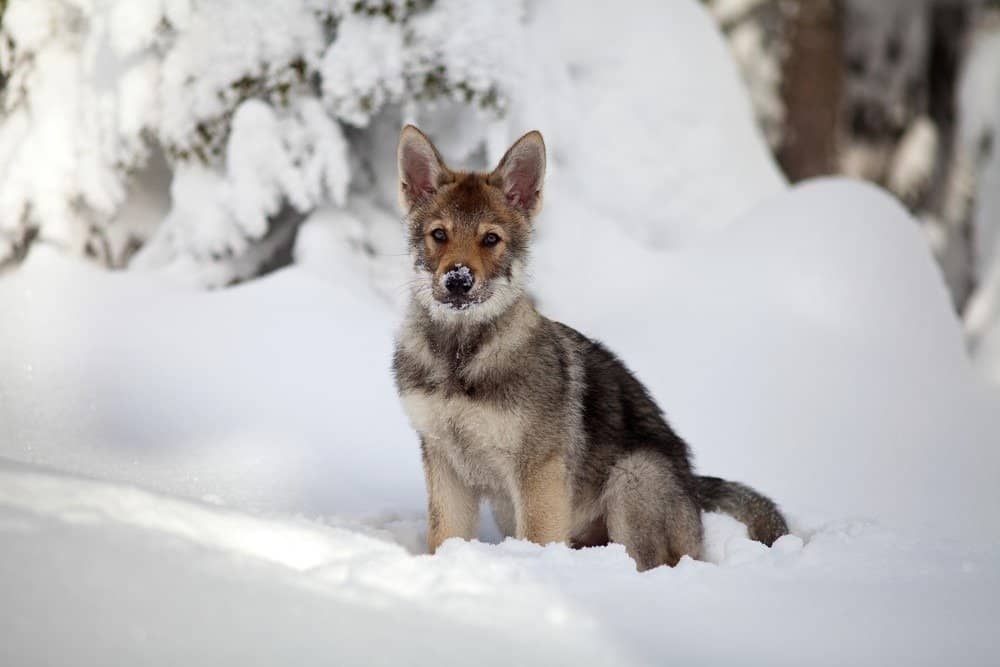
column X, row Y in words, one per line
column 421, row 169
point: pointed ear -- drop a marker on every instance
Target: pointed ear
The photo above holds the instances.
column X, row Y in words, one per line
column 421, row 169
column 521, row 172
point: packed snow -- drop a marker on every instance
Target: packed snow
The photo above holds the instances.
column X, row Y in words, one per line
column 226, row 477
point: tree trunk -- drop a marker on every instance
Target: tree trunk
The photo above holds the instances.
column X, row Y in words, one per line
column 812, row 88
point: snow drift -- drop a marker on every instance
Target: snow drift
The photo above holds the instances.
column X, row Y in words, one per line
column 785, row 349
column 788, row 341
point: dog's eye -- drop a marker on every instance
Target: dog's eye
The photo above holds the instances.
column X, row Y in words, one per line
column 491, row 240
column 439, row 235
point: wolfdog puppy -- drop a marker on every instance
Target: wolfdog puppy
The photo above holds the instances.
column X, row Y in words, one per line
column 527, row 413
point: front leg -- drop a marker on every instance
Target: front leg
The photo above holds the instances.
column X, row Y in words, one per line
column 543, row 502
column 452, row 506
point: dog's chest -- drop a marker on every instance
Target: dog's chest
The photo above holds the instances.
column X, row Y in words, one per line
column 479, row 438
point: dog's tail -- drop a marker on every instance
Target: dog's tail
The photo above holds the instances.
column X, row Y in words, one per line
column 760, row 514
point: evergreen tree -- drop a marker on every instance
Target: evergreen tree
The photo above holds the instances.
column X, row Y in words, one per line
column 259, row 112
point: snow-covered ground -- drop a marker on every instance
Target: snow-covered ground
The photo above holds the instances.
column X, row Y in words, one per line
column 237, row 483
column 191, row 477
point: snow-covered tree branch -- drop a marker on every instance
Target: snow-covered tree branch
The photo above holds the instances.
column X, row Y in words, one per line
column 251, row 109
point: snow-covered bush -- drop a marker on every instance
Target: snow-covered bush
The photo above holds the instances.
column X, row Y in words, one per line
column 251, row 104
column 980, row 145
column 753, row 29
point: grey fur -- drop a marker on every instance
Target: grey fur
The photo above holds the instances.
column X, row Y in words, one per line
column 761, row 516
column 513, row 407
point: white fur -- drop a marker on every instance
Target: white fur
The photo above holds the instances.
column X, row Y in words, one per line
column 490, row 437
column 504, row 293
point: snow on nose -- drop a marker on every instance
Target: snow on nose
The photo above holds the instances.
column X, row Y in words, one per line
column 458, row 281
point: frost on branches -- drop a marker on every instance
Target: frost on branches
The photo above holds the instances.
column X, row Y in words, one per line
column 260, row 110
column 753, row 29
column 979, row 136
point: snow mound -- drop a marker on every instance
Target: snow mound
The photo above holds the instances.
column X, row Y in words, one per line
column 670, row 151
column 142, row 578
column 787, row 350
column 274, row 396
column 130, row 573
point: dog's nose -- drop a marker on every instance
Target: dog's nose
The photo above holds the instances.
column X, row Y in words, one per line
column 458, row 281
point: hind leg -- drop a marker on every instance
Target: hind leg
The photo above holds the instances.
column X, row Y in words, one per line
column 649, row 511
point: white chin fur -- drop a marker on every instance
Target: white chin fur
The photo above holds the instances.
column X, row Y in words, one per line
column 506, row 292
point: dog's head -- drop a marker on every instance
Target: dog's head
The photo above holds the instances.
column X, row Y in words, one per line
column 469, row 232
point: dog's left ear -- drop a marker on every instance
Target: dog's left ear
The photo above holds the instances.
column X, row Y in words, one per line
column 521, row 172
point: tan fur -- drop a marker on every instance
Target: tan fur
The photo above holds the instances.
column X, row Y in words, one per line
column 471, row 449
column 467, row 448
column 453, row 508
column 465, row 249
column 544, row 503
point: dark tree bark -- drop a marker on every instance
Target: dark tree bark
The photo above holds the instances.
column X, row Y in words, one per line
column 950, row 25
column 812, row 88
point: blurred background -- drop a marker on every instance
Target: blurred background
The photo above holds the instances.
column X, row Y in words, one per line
column 902, row 93
column 198, row 138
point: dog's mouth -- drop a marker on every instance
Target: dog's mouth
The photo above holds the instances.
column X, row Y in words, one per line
column 463, row 302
